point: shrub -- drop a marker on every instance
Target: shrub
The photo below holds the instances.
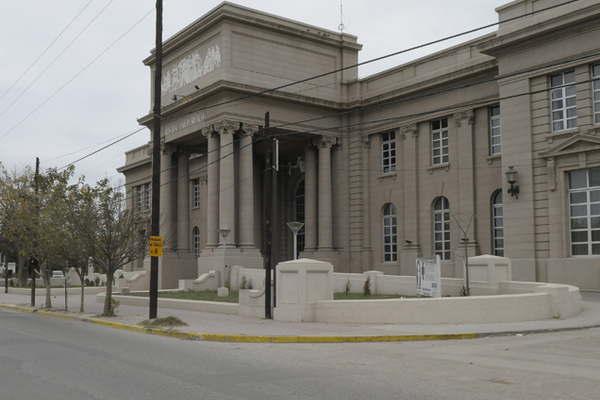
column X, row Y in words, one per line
column 243, row 283
column 367, row 287
column 348, row 287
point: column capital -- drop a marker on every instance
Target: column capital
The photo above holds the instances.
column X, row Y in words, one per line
column 410, row 130
column 227, row 127
column 325, row 142
column 208, row 132
column 464, row 117
column 250, row 129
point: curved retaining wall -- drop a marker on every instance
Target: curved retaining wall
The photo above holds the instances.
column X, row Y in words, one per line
column 517, row 302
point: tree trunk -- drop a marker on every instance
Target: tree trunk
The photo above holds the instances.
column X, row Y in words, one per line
column 82, row 280
column 108, row 306
column 22, row 271
column 46, row 277
column 66, row 295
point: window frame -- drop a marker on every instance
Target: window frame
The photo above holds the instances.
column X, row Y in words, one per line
column 589, row 217
column 595, row 92
column 441, row 215
column 390, row 153
column 562, row 90
column 142, row 195
column 195, row 193
column 495, row 217
column 390, row 231
column 495, row 149
column 443, row 157
column 196, row 241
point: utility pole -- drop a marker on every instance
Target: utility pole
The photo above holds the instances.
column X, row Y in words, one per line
column 274, row 213
column 155, row 228
column 34, row 262
column 269, row 248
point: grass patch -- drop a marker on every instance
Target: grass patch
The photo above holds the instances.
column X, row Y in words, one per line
column 166, row 322
column 204, row 295
column 361, row 296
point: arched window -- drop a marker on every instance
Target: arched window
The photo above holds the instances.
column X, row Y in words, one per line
column 196, row 241
column 390, row 233
column 441, row 228
column 497, row 224
column 299, row 199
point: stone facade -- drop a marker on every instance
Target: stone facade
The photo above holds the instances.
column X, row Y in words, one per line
column 385, row 168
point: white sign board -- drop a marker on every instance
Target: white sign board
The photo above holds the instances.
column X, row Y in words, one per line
column 429, row 277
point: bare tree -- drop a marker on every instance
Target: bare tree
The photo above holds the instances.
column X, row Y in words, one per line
column 117, row 242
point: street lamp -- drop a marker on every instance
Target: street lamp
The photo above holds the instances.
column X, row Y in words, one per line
column 511, row 178
column 295, row 228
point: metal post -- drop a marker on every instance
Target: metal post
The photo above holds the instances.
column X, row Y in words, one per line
column 467, row 283
column 269, row 249
column 155, row 228
column 295, row 245
column 34, row 262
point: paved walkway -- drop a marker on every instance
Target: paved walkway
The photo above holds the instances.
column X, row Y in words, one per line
column 231, row 324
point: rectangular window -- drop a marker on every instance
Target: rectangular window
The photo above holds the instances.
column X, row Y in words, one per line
column 439, row 141
column 495, row 130
column 563, row 100
column 388, row 151
column 584, row 211
column 195, row 193
column 596, row 92
column 142, row 196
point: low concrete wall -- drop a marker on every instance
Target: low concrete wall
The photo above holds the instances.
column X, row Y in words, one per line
column 177, row 304
column 452, row 310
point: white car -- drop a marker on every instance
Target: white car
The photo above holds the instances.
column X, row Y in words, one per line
column 58, row 275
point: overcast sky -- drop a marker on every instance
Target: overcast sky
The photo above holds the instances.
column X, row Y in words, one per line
column 104, row 101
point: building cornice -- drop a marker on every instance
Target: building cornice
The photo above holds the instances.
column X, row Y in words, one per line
column 245, row 15
column 540, row 30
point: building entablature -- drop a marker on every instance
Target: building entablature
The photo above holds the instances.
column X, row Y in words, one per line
column 513, row 34
column 245, row 15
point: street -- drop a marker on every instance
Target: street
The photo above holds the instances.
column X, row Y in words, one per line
column 49, row 358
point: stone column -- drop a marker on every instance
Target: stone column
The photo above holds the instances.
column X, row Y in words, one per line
column 212, row 181
column 466, row 207
column 410, row 251
column 310, row 199
column 325, row 212
column 183, row 203
column 168, row 197
column 246, row 185
column 227, row 187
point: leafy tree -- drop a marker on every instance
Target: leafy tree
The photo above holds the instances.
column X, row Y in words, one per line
column 117, row 242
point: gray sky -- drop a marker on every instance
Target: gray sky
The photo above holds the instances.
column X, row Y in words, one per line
column 105, row 100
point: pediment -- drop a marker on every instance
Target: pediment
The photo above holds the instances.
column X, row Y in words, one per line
column 577, row 144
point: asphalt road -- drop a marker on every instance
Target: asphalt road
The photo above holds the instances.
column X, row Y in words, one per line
column 45, row 358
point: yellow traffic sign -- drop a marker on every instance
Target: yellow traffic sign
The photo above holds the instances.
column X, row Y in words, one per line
column 156, row 240
column 156, row 251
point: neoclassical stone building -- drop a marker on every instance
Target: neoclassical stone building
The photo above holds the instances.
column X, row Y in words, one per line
column 385, row 168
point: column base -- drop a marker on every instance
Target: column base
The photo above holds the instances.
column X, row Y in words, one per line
column 215, row 259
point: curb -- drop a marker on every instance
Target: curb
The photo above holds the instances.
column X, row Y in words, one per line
column 278, row 339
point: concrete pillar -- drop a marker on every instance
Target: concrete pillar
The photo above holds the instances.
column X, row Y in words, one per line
column 410, row 249
column 246, row 185
column 466, row 209
column 168, row 197
column 325, row 212
column 212, row 176
column 183, row 203
column 227, row 187
column 310, row 198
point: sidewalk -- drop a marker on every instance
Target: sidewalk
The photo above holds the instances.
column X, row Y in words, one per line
column 219, row 324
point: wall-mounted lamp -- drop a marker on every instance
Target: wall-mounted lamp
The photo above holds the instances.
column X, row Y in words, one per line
column 511, row 178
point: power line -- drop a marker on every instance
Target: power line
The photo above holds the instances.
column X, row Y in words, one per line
column 338, row 113
column 39, row 57
column 55, row 59
column 385, row 56
column 81, row 71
